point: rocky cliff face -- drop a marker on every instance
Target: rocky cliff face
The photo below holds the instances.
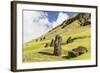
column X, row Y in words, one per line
column 83, row 18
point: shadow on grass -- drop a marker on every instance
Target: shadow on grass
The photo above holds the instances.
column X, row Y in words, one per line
column 46, row 53
column 66, row 57
column 72, row 39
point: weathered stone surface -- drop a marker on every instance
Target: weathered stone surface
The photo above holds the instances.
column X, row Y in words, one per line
column 72, row 54
column 80, row 50
column 52, row 43
column 57, row 45
column 77, row 51
column 46, row 45
column 85, row 19
column 69, row 40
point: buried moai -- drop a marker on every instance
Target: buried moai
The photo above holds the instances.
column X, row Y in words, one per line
column 77, row 51
column 46, row 45
column 69, row 40
column 57, row 45
column 52, row 43
column 80, row 50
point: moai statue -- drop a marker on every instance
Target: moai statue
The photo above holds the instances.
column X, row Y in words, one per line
column 57, row 45
column 44, row 38
column 46, row 45
column 69, row 40
column 52, row 43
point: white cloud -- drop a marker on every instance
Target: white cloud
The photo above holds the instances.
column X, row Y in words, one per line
column 61, row 17
column 34, row 24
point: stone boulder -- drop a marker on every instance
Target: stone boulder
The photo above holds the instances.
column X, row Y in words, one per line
column 80, row 50
column 72, row 54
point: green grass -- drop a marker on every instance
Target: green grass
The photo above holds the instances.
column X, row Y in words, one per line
column 36, row 52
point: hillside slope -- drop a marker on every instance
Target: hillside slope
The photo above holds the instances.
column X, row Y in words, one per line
column 76, row 27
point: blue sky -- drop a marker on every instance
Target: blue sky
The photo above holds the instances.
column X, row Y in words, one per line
column 53, row 15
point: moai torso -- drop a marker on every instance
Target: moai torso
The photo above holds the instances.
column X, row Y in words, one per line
column 57, row 45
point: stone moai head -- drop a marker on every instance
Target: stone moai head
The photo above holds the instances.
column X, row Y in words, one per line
column 57, row 45
column 58, row 38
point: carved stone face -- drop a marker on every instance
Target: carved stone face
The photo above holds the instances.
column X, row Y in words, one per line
column 57, row 45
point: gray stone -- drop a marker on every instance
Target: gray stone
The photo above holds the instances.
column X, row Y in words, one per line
column 72, row 54
column 69, row 40
column 52, row 43
column 57, row 45
column 80, row 50
column 46, row 45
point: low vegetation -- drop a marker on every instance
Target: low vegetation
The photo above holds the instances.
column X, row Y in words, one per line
column 73, row 35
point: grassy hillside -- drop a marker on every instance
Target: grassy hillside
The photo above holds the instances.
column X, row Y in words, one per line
column 34, row 51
